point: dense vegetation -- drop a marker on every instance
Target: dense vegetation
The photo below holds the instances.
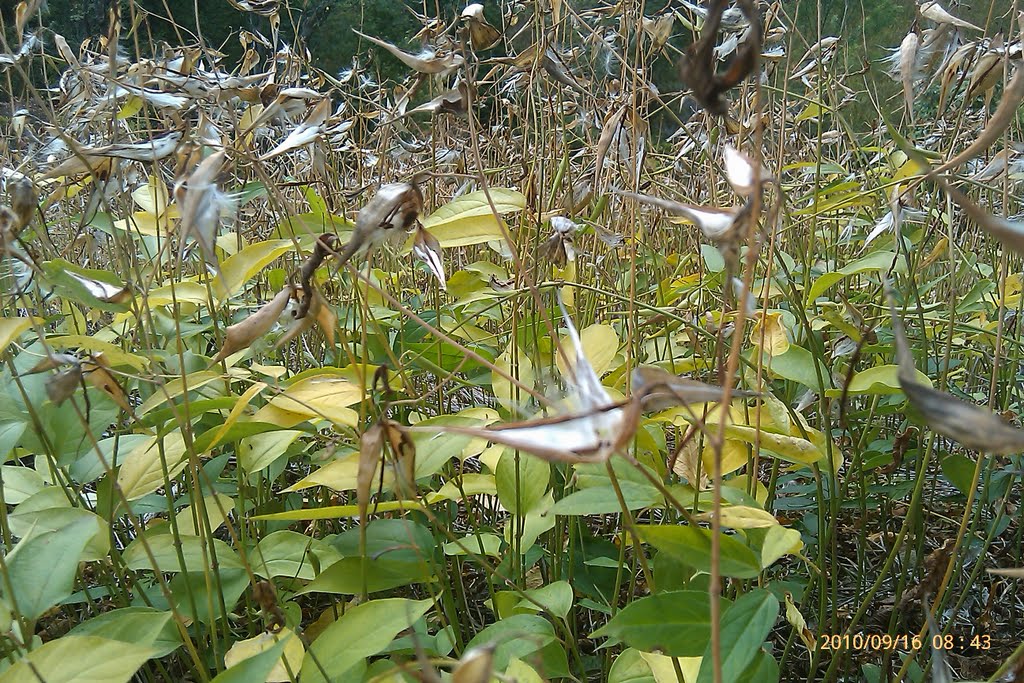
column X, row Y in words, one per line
column 626, row 382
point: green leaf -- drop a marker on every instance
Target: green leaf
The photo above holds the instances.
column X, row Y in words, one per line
column 556, row 599
column 361, row 632
column 195, row 552
column 345, row 577
column 291, row 554
column 881, row 260
column 763, row 669
column 745, row 625
column 601, row 500
column 677, row 624
column 99, row 289
column 797, row 365
column 470, row 219
column 20, row 483
column 518, row 636
column 630, row 667
column 959, row 470
column 79, row 659
column 692, row 545
column 138, row 625
column 532, row 480
column 42, row 567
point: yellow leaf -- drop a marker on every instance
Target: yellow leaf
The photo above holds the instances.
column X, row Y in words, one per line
column 769, row 333
column 11, row 329
column 131, row 107
column 470, row 220
column 665, row 671
column 789, row 448
column 292, row 654
column 600, row 344
column 146, row 223
column 734, row 456
column 745, row 517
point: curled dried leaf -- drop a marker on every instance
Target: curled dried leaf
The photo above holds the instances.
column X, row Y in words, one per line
column 388, row 216
column 698, row 66
column 63, row 384
column 96, row 371
column 481, row 34
column 325, row 245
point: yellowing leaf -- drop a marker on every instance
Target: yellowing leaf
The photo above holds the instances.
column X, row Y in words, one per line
column 796, row 620
column 789, row 448
column 142, row 471
column 112, row 354
column 236, row 270
column 779, row 541
column 214, row 508
column 600, row 344
column 341, row 475
column 324, row 395
column 178, row 292
column 153, row 198
column 176, row 388
column 877, row 381
column 292, row 654
column 471, row 484
column 504, row 390
column 470, row 220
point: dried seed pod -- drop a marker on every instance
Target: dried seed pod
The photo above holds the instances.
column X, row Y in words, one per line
column 390, row 214
column 242, row 334
column 976, row 428
column 659, row 390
